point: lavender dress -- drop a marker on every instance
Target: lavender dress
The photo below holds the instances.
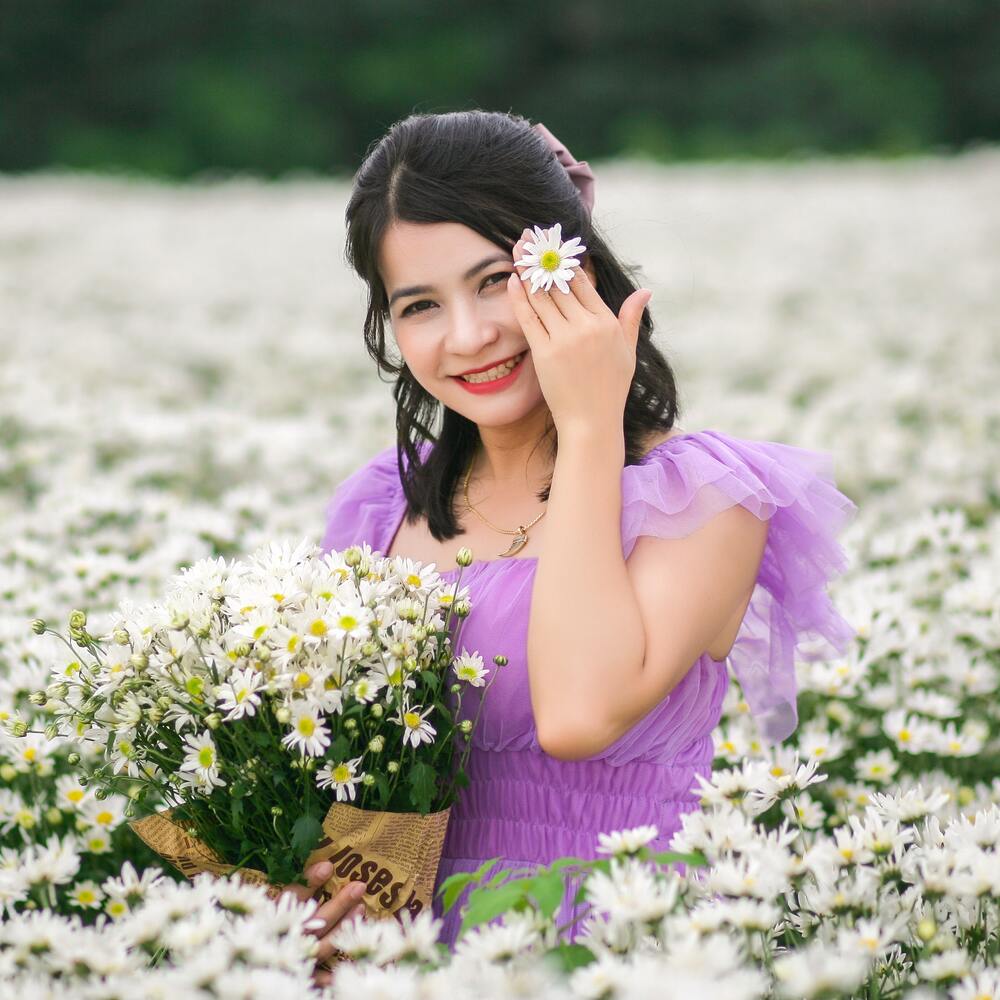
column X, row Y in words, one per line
column 527, row 807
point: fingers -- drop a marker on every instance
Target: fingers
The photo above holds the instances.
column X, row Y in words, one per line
column 326, row 947
column 316, row 875
column 553, row 305
column 337, row 908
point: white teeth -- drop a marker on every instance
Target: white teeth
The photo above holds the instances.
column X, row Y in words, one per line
column 494, row 373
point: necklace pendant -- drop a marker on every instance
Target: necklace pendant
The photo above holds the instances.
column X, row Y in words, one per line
column 519, row 543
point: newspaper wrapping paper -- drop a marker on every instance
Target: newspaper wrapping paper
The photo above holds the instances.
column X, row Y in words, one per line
column 395, row 854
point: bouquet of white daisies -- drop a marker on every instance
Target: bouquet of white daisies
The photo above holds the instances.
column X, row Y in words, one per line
column 289, row 708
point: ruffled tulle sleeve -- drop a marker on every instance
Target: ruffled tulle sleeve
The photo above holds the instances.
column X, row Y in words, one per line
column 684, row 481
column 363, row 505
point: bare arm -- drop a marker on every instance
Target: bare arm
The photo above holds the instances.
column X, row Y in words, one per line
column 609, row 639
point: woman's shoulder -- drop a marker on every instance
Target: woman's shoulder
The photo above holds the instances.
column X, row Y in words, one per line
column 362, row 502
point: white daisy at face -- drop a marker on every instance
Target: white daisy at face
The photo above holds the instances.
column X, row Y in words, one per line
column 549, row 261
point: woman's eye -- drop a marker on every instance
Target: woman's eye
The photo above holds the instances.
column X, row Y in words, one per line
column 412, row 307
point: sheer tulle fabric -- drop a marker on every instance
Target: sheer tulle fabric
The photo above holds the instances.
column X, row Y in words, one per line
column 675, row 490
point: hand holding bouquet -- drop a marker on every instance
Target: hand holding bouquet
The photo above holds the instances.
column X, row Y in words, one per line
column 288, row 709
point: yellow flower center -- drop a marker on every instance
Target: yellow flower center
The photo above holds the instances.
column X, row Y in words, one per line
column 259, row 631
column 293, row 643
column 103, row 818
column 75, row 795
column 318, row 627
column 413, row 580
column 550, row 260
column 904, row 736
column 86, row 896
column 206, row 756
column 30, row 754
column 341, row 774
column 307, row 725
column 412, row 720
column 347, row 622
column 278, row 597
column 97, row 844
column 302, row 679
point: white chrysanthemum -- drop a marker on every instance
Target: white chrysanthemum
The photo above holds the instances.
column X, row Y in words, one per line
column 469, row 668
column 238, row 697
column 201, row 758
column 309, row 734
column 416, row 728
column 86, row 895
column 626, row 841
column 341, row 777
column 548, row 260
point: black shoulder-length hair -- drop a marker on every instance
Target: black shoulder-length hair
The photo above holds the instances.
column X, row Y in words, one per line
column 490, row 171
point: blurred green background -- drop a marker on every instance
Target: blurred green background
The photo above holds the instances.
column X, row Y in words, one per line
column 182, row 88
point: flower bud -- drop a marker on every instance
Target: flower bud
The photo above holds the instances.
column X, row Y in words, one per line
column 37, row 698
column 213, row 721
column 101, row 793
column 19, row 728
column 154, row 714
column 38, row 626
column 350, row 725
column 392, row 767
column 242, row 649
column 419, row 633
column 121, row 636
column 179, row 621
column 463, row 556
column 369, row 648
column 263, row 654
column 283, row 715
column 463, row 609
column 8, row 772
column 352, row 555
column 455, row 688
column 926, row 929
column 77, row 619
column 73, row 759
column 466, row 726
column 376, row 709
column 376, row 744
column 59, row 690
column 139, row 661
column 277, row 811
column 368, row 779
column 53, row 816
column 164, row 703
column 500, row 660
column 398, row 650
column 52, row 731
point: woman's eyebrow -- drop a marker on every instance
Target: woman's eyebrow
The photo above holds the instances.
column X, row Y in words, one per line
column 423, row 289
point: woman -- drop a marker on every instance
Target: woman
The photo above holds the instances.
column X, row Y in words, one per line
column 642, row 557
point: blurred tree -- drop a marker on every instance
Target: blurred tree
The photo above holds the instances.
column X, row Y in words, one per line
column 180, row 87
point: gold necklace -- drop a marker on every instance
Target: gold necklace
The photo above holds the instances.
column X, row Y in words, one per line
column 522, row 532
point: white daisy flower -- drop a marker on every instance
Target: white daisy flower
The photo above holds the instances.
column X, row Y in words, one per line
column 202, row 759
column 238, row 697
column 469, row 668
column 341, row 777
column 86, row 895
column 626, row 841
column 416, row 728
column 309, row 733
column 548, row 260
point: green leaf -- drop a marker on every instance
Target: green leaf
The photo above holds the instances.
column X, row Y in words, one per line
column 451, row 888
column 548, row 890
column 423, row 785
column 695, row 859
column 568, row 957
column 485, row 904
column 560, row 863
column 305, row 834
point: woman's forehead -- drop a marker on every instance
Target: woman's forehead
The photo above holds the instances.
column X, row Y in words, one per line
column 411, row 252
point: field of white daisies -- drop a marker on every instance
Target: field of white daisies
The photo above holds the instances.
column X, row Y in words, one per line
column 184, row 378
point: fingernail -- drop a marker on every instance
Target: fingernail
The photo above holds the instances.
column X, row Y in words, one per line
column 314, row 925
column 358, row 890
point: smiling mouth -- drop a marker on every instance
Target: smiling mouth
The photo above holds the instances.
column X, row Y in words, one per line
column 496, row 372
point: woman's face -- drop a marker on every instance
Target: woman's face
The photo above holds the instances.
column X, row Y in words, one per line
column 450, row 312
